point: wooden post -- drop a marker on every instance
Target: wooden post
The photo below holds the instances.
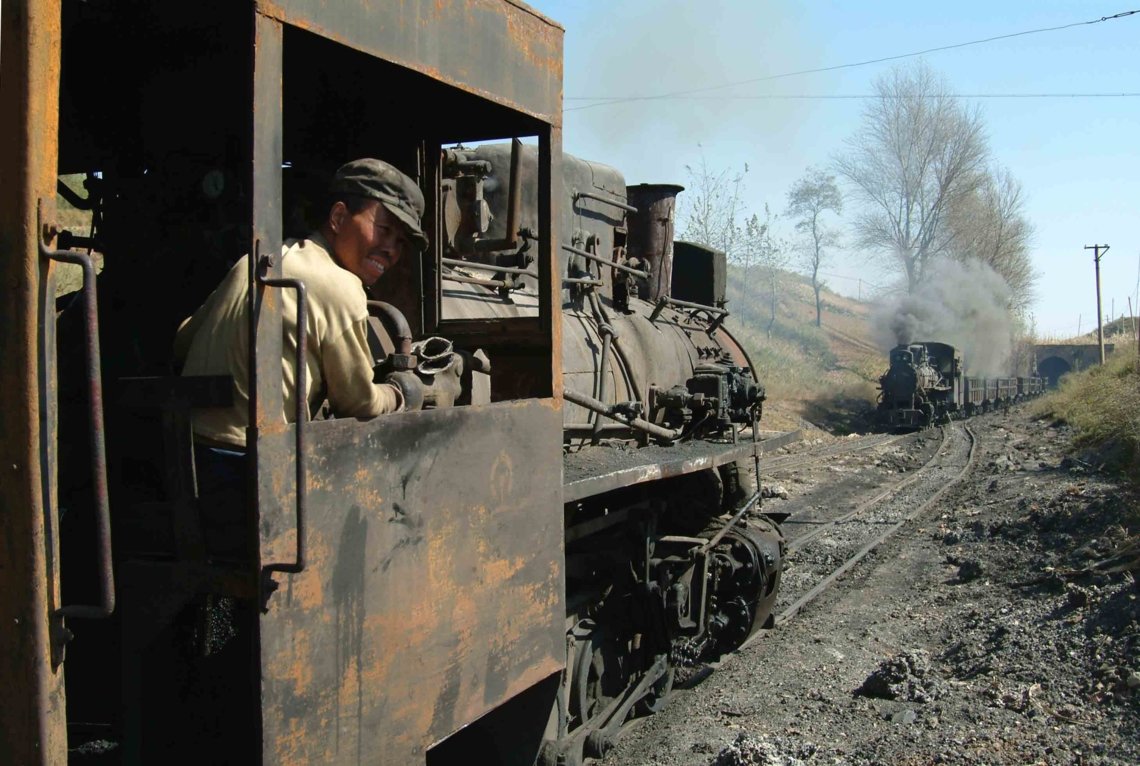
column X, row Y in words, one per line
column 1098, row 253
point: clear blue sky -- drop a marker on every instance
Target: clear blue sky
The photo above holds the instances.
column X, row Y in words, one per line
column 1077, row 158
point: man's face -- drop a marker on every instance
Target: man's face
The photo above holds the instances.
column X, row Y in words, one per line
column 369, row 242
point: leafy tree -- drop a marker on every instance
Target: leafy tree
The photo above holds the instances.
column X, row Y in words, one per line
column 917, row 153
column 809, row 199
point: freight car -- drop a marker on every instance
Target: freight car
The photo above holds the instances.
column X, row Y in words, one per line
column 924, row 385
column 503, row 577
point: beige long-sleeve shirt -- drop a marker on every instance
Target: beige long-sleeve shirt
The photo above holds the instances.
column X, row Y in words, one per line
column 215, row 341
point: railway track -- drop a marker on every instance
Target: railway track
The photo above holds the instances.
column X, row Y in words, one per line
column 821, row 555
column 844, row 447
column 832, row 547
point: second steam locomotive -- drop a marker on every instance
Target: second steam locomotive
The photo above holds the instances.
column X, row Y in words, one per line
column 925, row 385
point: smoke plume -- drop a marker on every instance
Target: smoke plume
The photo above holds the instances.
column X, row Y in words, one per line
column 965, row 304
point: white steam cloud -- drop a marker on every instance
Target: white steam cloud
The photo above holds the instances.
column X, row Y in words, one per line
column 965, row 304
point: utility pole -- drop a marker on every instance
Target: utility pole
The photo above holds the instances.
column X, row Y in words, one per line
column 1135, row 327
column 1098, row 253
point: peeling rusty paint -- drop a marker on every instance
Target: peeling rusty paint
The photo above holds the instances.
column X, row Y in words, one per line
column 32, row 726
column 438, row 613
column 502, row 52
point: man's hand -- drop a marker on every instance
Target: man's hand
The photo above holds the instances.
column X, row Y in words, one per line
column 410, row 386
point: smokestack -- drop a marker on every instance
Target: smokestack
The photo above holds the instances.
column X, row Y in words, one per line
column 651, row 232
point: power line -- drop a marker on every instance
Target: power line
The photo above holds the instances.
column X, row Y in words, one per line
column 607, row 100
column 859, row 96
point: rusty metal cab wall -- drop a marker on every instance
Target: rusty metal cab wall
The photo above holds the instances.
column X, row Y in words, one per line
column 378, row 589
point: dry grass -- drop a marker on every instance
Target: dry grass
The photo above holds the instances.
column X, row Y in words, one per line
column 809, row 371
column 1119, row 332
column 1103, row 405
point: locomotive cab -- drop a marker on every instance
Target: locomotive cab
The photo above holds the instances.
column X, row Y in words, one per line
column 361, row 609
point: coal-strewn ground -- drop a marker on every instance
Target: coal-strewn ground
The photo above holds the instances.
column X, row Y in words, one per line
column 1001, row 627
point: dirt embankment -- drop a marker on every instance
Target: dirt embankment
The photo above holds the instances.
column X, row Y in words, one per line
column 1001, row 627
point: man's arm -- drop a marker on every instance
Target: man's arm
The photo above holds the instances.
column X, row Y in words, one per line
column 347, row 367
column 185, row 336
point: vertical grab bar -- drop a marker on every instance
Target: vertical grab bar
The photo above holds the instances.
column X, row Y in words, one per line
column 98, row 446
column 301, row 414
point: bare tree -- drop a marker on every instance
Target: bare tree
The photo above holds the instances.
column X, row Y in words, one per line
column 710, row 213
column 917, row 152
column 811, row 197
column 711, row 207
column 990, row 224
column 770, row 257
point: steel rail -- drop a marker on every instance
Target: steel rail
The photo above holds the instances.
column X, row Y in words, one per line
column 867, row 442
column 914, row 476
column 792, row 610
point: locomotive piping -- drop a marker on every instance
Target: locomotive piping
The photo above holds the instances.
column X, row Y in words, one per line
column 640, row 424
column 396, row 325
column 608, row 336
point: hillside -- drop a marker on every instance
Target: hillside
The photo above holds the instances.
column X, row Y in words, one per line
column 826, row 376
column 1121, row 332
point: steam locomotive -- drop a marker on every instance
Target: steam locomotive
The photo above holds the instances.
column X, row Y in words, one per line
column 924, row 385
column 505, row 576
column 667, row 563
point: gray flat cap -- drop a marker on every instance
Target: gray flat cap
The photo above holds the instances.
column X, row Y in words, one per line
column 378, row 180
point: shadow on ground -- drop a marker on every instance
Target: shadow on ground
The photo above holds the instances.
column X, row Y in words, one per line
column 841, row 415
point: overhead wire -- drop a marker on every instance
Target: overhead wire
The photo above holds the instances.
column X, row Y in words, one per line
column 609, row 100
column 857, row 96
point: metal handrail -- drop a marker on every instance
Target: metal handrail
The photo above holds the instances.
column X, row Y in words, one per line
column 607, row 200
column 599, row 259
column 98, row 441
column 301, row 404
column 477, row 266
